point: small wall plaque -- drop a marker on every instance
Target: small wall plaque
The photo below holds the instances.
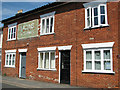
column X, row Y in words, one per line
column 56, row 56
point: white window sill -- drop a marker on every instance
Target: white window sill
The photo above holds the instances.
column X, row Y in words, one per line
column 11, row 39
column 97, row 71
column 9, row 66
column 46, row 34
column 46, row 69
column 99, row 26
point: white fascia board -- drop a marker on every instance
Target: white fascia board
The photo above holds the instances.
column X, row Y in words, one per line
column 94, row 3
column 97, row 45
column 14, row 24
column 65, row 47
column 10, row 51
column 47, row 14
column 46, row 49
column 22, row 50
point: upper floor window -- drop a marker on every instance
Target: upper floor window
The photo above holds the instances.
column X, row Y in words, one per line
column 47, row 23
column 96, row 16
column 12, row 32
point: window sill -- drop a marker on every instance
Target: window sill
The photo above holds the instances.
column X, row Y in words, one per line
column 46, row 69
column 11, row 39
column 101, row 26
column 99, row 72
column 9, row 66
column 46, row 34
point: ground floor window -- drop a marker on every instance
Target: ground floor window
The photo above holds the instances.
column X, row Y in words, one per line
column 98, row 59
column 10, row 59
column 46, row 60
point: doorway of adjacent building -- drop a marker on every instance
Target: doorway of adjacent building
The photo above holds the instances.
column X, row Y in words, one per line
column 23, row 65
column 65, row 67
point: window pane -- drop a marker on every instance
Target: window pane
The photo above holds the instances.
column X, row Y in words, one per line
column 97, row 55
column 7, row 59
column 102, row 9
column 47, row 26
column 13, row 59
column 88, row 21
column 10, row 59
column 43, row 25
column 95, row 20
column 52, row 62
column 88, row 12
column 88, row 64
column 88, row 55
column 14, row 32
column 95, row 11
column 102, row 19
column 9, row 34
column 106, row 54
column 51, row 24
column 41, row 60
column 47, row 60
column 107, row 65
column 97, row 65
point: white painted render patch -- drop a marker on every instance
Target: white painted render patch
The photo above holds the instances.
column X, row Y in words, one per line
column 48, row 78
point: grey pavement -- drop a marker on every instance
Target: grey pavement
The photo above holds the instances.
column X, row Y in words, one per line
column 23, row 83
column 4, row 85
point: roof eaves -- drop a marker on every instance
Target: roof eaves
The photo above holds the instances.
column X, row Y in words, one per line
column 17, row 16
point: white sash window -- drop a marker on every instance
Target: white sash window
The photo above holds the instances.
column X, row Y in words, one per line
column 10, row 58
column 47, row 23
column 98, row 57
column 12, row 31
column 96, row 16
column 46, row 60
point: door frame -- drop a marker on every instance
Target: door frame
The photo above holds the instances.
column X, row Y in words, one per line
column 64, row 48
column 21, row 51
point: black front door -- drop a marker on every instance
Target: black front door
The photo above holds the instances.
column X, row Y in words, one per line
column 65, row 67
column 23, row 65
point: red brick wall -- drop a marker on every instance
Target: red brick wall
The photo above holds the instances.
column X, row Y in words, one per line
column 107, row 34
column 69, row 30
column 119, row 39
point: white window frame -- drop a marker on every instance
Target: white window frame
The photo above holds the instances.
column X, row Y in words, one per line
column 45, row 18
column 99, row 18
column 102, row 60
column 46, row 50
column 101, row 47
column 9, row 39
column 86, row 17
column 95, row 16
column 106, row 20
column 10, row 52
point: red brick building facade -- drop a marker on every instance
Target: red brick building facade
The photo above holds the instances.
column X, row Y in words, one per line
column 81, row 45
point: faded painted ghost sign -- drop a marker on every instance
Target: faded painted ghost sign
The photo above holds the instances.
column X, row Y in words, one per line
column 28, row 29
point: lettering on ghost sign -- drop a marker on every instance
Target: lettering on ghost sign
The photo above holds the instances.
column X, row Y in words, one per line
column 28, row 29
